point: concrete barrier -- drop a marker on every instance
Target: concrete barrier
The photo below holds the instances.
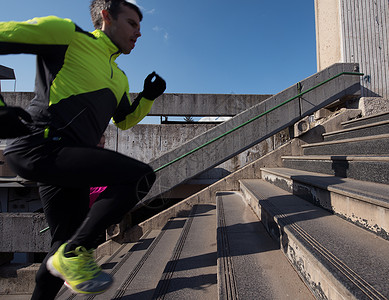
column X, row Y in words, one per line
column 170, row 104
column 19, row 232
column 221, row 149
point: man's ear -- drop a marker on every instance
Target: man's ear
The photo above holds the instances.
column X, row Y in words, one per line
column 106, row 16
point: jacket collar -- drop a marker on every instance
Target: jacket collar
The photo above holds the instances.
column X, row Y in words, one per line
column 112, row 49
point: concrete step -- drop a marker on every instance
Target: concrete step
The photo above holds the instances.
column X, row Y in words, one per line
column 376, row 128
column 111, row 264
column 15, row 297
column 371, row 145
column 367, row 168
column 251, row 264
column 136, row 274
column 365, row 204
column 17, row 279
column 177, row 261
column 192, row 269
column 366, row 120
column 335, row 258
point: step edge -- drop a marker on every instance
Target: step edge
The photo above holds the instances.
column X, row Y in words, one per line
column 348, row 140
column 362, row 158
column 126, row 282
column 356, row 128
column 364, row 118
column 369, row 198
column 226, row 280
column 162, row 288
column 291, row 233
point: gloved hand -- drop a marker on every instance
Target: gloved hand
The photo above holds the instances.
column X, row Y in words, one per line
column 11, row 125
column 20, row 113
column 153, row 89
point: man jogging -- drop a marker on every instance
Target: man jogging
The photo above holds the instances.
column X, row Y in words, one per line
column 79, row 89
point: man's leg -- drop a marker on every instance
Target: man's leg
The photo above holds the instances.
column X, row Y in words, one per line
column 58, row 164
column 61, row 165
column 65, row 210
column 122, row 175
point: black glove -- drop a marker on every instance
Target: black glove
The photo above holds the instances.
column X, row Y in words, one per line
column 20, row 113
column 153, row 89
column 11, row 124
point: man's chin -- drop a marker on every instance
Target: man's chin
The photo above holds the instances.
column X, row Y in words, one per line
column 126, row 51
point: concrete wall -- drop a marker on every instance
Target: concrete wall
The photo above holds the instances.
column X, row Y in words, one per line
column 143, row 142
column 356, row 32
column 177, row 104
column 147, row 142
column 19, row 232
column 256, row 129
column 204, row 104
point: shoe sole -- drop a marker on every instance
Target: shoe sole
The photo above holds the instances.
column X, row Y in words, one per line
column 53, row 271
column 81, row 292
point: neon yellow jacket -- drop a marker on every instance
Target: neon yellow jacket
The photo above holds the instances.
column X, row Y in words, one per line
column 79, row 86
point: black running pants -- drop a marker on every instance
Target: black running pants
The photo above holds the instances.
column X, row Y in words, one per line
column 65, row 174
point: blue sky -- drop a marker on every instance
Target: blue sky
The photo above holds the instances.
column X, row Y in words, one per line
column 203, row 46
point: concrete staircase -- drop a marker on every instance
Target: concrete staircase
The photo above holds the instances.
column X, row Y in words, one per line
column 314, row 226
column 357, row 160
column 332, row 225
column 213, row 252
column 291, row 234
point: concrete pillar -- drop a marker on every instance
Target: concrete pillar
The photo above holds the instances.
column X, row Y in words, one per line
column 349, row 31
column 328, row 33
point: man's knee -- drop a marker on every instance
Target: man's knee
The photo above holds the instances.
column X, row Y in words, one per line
column 144, row 185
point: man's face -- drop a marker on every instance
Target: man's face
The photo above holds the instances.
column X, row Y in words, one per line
column 125, row 30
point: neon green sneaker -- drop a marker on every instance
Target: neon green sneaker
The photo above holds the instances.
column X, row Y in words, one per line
column 80, row 273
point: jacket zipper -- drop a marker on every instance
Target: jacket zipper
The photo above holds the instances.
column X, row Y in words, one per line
column 110, row 62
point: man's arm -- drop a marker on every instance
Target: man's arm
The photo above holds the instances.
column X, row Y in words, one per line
column 35, row 36
column 129, row 114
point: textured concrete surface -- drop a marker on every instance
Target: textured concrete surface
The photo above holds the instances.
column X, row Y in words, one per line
column 371, row 145
column 255, row 130
column 20, row 233
column 176, row 104
column 204, row 104
column 17, row 279
column 363, row 203
column 381, row 116
column 191, row 271
column 360, row 131
column 336, row 258
column 373, row 105
column 259, row 268
column 369, row 168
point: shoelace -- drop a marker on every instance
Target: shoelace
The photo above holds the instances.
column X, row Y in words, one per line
column 86, row 267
